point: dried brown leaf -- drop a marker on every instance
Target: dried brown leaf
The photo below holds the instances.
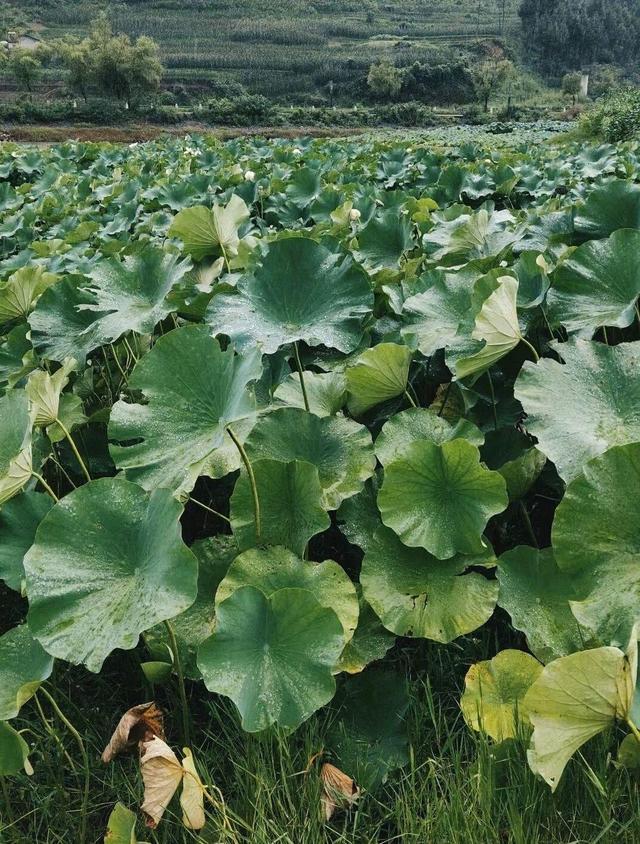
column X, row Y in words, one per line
column 161, row 774
column 138, row 724
column 338, row 790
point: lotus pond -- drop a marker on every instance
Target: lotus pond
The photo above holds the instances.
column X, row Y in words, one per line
column 295, row 434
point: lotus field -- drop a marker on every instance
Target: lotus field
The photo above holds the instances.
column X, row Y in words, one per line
column 272, row 411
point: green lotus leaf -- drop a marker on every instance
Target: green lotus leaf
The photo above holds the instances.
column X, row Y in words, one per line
column 379, row 374
column 339, row 448
column 291, row 508
column 598, row 284
column 440, row 497
column 481, row 234
column 62, row 326
column 510, row 452
column 270, row 569
column 538, row 595
column 273, row 656
column 326, row 392
column 596, row 537
column 575, row 698
column 613, row 206
column 15, row 444
column 492, row 702
column 434, row 316
column 369, row 734
column 75, row 316
column 370, row 642
column 156, row 672
column 14, row 751
column 580, row 409
column 24, row 665
column 497, row 325
column 197, row 623
column 301, row 291
column 193, row 391
column 121, row 827
column 418, row 423
column 131, row 295
column 19, row 520
column 210, row 231
column 414, row 594
column 629, row 753
column 16, row 356
column 108, row 562
column 383, row 242
column 19, row 294
column 359, row 517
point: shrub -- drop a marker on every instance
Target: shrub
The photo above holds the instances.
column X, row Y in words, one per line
column 615, row 117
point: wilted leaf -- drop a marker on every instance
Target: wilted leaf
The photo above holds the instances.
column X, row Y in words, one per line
column 162, row 774
column 139, row 724
column 191, row 799
column 338, row 790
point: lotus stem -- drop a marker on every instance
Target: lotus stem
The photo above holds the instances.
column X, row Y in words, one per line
column 41, row 480
column 493, row 401
column 85, row 759
column 635, row 731
column 181, row 687
column 252, row 480
column 444, row 400
column 408, row 396
column 209, row 509
column 535, row 354
column 74, row 449
column 527, row 521
column 301, row 376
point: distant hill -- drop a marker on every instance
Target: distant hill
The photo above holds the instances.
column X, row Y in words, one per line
column 287, row 47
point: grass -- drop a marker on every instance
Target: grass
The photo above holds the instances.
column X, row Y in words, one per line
column 456, row 789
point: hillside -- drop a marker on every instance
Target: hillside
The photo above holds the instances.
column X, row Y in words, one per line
column 280, row 47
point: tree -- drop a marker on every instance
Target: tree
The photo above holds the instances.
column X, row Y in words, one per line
column 24, row 67
column 571, row 85
column 384, row 79
column 562, row 35
column 122, row 68
column 488, row 76
column 113, row 64
column 78, row 61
